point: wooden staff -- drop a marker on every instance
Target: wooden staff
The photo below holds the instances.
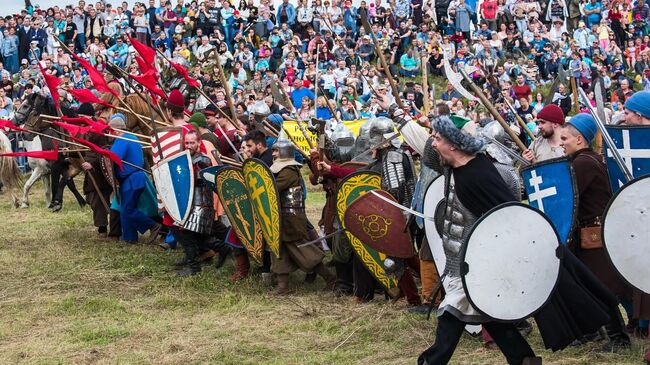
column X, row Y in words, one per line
column 425, row 84
column 115, row 129
column 519, row 120
column 492, row 110
column 203, row 93
column 292, row 110
column 222, row 77
column 125, row 77
column 121, row 71
column 574, row 91
column 380, row 54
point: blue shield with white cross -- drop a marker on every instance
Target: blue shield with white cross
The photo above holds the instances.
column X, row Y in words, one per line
column 633, row 144
column 551, row 189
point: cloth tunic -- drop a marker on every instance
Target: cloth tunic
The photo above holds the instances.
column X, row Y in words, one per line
column 293, row 231
column 594, row 194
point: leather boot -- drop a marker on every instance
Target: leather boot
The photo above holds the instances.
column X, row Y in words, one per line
column 283, row 285
column 242, row 265
column 193, row 264
column 534, row 360
column 223, row 250
column 330, row 279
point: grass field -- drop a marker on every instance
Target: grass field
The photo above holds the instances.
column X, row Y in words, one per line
column 68, row 298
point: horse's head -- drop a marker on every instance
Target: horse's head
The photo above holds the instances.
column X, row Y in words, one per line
column 30, row 111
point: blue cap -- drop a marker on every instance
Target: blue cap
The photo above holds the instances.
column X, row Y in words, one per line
column 276, row 119
column 639, row 103
column 585, row 124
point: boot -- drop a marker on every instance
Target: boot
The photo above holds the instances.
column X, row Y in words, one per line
column 330, row 279
column 223, row 250
column 242, row 265
column 193, row 264
column 533, row 360
column 283, row 285
column 206, row 257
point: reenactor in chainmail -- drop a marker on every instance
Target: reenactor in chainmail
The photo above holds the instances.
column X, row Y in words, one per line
column 339, row 148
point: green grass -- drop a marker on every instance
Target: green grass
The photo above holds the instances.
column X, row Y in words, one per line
column 69, row 298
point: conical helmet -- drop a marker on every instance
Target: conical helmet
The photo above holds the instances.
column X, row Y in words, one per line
column 284, row 146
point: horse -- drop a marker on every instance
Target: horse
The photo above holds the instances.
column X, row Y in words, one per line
column 9, row 171
column 29, row 115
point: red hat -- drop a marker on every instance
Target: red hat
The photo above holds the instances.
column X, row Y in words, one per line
column 176, row 101
column 551, row 113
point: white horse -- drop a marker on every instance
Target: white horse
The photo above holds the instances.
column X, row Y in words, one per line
column 9, row 171
column 40, row 170
column 29, row 114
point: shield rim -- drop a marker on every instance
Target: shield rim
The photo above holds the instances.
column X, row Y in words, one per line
column 108, row 170
column 426, row 223
column 388, row 196
column 602, row 226
column 609, row 127
column 464, row 269
column 575, row 189
column 340, row 216
column 269, row 242
column 257, row 230
column 164, row 130
column 185, row 153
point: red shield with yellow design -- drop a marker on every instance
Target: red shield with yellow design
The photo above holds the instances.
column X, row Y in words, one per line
column 379, row 225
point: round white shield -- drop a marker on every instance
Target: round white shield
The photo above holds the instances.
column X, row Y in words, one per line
column 434, row 196
column 510, row 267
column 626, row 232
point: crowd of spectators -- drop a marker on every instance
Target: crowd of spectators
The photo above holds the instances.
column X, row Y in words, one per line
column 321, row 53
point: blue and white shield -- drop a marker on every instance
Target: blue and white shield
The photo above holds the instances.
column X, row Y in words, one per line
column 633, row 144
column 174, row 179
column 550, row 186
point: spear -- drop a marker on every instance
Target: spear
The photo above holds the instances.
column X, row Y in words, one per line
column 81, row 158
column 380, row 54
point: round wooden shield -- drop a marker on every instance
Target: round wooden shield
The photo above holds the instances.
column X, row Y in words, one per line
column 626, row 232
column 510, row 266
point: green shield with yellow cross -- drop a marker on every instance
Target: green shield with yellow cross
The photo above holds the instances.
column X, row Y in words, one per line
column 264, row 195
column 233, row 195
column 351, row 188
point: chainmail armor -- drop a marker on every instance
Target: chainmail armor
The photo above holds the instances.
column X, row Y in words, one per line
column 456, row 223
column 201, row 218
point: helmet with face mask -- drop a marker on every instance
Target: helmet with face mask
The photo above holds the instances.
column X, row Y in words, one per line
column 342, row 144
column 381, row 129
column 494, row 131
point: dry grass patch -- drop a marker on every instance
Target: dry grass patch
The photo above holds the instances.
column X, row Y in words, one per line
column 70, row 298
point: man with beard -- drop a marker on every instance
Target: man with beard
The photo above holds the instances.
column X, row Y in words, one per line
column 549, row 121
column 199, row 224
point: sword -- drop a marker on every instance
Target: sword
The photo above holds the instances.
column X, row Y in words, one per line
column 322, row 238
column 400, row 206
column 600, row 108
column 606, row 137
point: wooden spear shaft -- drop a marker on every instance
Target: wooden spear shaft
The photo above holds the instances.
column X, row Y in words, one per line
column 382, row 59
column 492, row 110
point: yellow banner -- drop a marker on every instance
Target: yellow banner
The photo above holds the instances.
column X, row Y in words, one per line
column 299, row 139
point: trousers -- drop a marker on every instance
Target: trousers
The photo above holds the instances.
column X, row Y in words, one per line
column 505, row 335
